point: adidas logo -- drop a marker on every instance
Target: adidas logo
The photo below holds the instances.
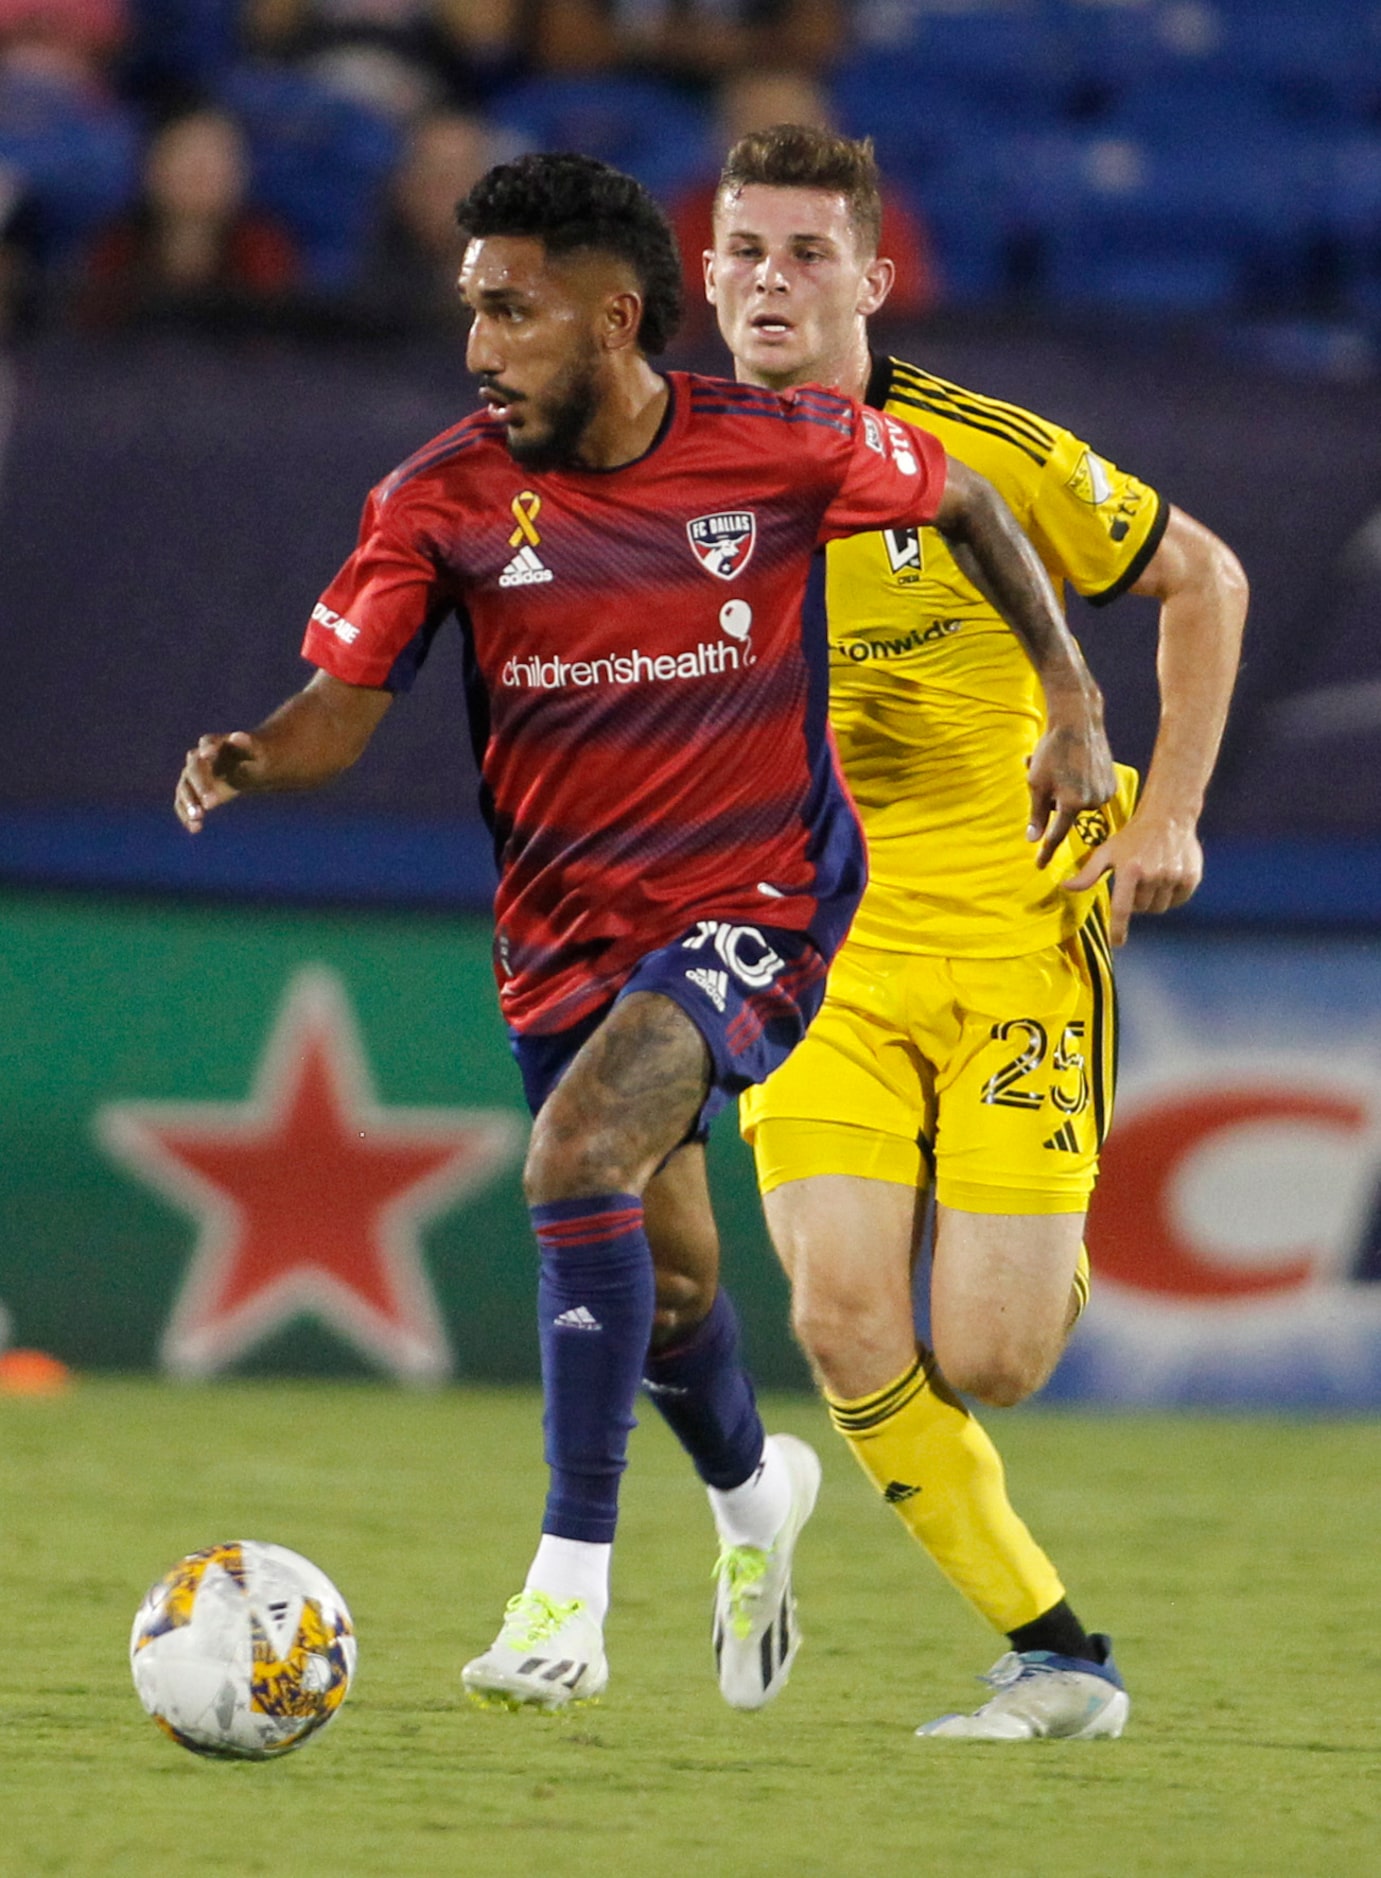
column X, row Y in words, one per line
column 1064, row 1138
column 897, row 1490
column 715, row 985
column 577, row 1318
column 775, row 1652
column 525, row 570
column 567, row 1672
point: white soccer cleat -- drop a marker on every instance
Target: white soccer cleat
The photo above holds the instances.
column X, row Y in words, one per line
column 1041, row 1696
column 755, row 1634
column 547, row 1655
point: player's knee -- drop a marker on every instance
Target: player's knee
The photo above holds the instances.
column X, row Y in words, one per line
column 840, row 1337
column 563, row 1164
column 815, row 1325
column 998, row 1387
column 997, row 1376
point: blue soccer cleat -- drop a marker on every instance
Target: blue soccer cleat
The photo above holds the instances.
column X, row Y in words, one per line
column 1043, row 1697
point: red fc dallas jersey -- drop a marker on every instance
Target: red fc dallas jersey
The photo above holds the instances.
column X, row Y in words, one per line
column 648, row 684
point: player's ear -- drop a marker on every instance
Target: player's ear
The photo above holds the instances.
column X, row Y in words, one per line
column 707, row 262
column 620, row 318
column 878, row 277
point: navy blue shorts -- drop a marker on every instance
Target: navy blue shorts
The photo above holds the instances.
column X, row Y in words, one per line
column 750, row 991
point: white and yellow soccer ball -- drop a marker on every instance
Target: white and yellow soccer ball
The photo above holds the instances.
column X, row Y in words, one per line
column 242, row 1651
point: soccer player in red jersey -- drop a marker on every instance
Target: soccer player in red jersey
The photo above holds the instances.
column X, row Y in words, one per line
column 630, row 557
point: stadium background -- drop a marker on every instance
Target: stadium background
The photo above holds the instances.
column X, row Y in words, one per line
column 1159, row 224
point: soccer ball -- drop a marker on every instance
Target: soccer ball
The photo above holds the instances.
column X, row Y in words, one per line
column 242, row 1651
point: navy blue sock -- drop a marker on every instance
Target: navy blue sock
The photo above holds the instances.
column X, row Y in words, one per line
column 706, row 1399
column 595, row 1299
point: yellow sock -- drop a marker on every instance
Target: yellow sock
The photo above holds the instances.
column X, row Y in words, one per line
column 938, row 1470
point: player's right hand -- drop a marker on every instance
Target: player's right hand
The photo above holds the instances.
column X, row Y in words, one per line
column 1070, row 770
column 212, row 774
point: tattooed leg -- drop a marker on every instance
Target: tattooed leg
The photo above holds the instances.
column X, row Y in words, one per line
column 628, row 1099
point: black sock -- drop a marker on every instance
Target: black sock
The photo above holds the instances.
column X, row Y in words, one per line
column 1058, row 1631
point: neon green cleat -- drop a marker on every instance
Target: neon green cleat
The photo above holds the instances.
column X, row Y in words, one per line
column 755, row 1633
column 547, row 1655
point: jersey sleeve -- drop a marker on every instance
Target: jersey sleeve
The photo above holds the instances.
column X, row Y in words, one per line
column 893, row 476
column 1093, row 521
column 375, row 622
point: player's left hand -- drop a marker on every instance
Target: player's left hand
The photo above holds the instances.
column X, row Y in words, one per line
column 1155, row 865
column 1070, row 770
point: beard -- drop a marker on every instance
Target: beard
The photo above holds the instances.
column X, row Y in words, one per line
column 567, row 411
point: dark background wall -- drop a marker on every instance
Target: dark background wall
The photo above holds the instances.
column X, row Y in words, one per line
column 170, row 510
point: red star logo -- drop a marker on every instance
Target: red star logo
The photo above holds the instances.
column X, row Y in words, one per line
column 309, row 1195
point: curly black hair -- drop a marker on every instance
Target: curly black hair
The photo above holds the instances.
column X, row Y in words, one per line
column 570, row 202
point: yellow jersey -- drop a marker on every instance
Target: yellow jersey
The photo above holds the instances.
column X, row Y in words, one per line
column 934, row 703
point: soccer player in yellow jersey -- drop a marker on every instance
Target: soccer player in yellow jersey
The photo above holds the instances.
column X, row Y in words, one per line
column 967, row 1041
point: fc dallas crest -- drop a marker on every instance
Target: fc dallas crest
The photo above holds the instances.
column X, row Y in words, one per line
column 309, row 1195
column 723, row 543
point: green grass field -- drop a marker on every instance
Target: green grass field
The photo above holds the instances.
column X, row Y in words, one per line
column 1234, row 1561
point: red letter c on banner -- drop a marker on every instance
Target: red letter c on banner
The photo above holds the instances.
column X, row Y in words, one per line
column 1132, row 1234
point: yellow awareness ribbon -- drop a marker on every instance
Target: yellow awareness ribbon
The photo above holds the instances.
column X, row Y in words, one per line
column 525, row 511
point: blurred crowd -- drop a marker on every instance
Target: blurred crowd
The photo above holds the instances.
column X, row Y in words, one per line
column 245, row 162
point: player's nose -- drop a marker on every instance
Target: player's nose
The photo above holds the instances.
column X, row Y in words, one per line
column 771, row 276
column 481, row 353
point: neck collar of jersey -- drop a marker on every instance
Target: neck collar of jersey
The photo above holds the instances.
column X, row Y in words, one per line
column 659, row 437
column 879, row 388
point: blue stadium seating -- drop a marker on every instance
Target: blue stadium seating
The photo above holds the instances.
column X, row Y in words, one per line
column 1314, row 58
column 191, row 41
column 1124, row 152
column 1348, row 212
column 975, row 256
column 916, row 121
column 320, row 162
column 1110, row 47
column 1010, row 61
column 637, row 124
column 1117, row 223
column 76, row 156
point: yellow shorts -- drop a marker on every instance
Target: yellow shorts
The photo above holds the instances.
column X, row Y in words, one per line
column 994, row 1077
